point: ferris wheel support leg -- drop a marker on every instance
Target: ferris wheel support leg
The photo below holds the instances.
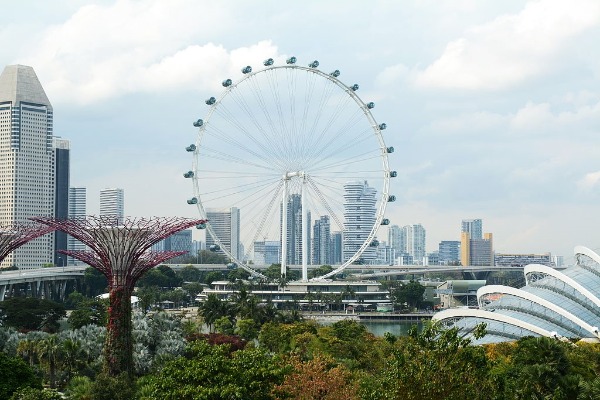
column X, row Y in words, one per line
column 284, row 228
column 304, row 232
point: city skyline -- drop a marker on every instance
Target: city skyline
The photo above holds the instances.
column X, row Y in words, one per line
column 486, row 121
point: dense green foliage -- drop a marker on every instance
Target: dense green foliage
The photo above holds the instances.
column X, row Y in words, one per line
column 28, row 313
column 213, row 372
column 15, row 374
column 262, row 352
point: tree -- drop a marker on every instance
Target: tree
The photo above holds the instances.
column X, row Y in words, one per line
column 88, row 312
column 193, row 289
column 540, row 369
column 214, row 308
column 322, row 270
column 433, row 364
column 15, row 374
column 189, row 273
column 29, row 313
column 29, row 393
column 317, row 379
column 410, row 293
column 147, row 296
column 50, row 353
column 95, row 282
column 213, row 372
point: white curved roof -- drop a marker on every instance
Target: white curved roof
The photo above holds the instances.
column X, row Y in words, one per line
column 567, row 302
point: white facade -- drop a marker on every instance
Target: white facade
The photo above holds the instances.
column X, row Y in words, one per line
column 359, row 219
column 77, row 209
column 112, row 202
column 26, row 160
column 226, row 226
column 415, row 241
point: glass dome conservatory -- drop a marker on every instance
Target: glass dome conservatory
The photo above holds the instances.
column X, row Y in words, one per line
column 561, row 304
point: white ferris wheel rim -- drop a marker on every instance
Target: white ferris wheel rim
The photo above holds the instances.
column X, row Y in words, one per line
column 375, row 127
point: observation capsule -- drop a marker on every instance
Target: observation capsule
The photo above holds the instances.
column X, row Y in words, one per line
column 247, row 69
column 211, row 101
column 214, row 247
column 370, row 105
column 291, row 60
column 354, row 87
column 268, row 62
column 374, row 243
column 393, row 174
column 385, row 221
column 314, row 64
column 201, row 226
column 390, row 149
column 193, row 200
column 190, row 148
column 391, row 198
column 189, row 174
column 227, row 82
column 335, row 73
column 382, row 126
column 198, row 123
column 231, row 266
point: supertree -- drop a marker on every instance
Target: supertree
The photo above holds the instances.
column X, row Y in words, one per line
column 17, row 234
column 120, row 249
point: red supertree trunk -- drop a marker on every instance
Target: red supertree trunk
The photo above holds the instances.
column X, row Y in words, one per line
column 120, row 250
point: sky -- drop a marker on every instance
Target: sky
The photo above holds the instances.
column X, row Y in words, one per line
column 493, row 107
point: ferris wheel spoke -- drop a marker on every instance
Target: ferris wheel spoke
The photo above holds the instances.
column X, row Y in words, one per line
column 265, row 146
column 289, row 128
column 236, row 190
column 325, row 203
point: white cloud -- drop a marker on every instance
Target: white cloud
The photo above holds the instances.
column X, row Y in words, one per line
column 589, row 181
column 511, row 48
column 103, row 51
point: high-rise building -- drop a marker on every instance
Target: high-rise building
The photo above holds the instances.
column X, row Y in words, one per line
column 322, row 241
column 336, row 248
column 359, row 219
column 476, row 252
column 226, row 225
column 267, row 252
column 179, row 241
column 449, row 252
column 474, row 227
column 415, row 242
column 77, row 209
column 112, row 202
column 27, row 186
column 397, row 239
column 294, row 230
column 61, row 196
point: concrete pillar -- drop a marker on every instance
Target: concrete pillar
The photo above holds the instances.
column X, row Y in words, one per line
column 2, row 292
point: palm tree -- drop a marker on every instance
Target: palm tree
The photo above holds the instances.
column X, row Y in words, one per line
column 212, row 309
column 49, row 352
column 72, row 354
column 28, row 349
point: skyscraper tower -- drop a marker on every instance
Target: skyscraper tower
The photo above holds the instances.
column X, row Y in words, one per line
column 77, row 209
column 322, row 241
column 415, row 242
column 226, row 225
column 294, row 230
column 359, row 219
column 61, row 195
column 474, row 227
column 26, row 160
column 112, row 202
column 397, row 239
column 475, row 247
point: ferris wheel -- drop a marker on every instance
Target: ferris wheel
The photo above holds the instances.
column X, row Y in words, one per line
column 287, row 161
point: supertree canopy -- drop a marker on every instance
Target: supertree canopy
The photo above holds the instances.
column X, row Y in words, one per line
column 17, row 234
column 120, row 249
